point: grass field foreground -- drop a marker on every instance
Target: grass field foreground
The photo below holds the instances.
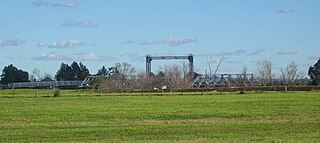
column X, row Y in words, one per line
column 254, row 117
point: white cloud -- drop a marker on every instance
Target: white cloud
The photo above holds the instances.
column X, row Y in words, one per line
column 179, row 41
column 225, row 54
column 67, row 3
column 41, row 3
column 285, row 11
column 127, row 42
column 83, row 56
column 150, row 42
column 315, row 57
column 164, row 53
column 42, row 44
column 66, row 44
column 237, row 53
column 171, row 41
column 134, row 57
column 81, row 24
column 62, row 3
column 256, row 51
column 232, row 61
column 17, row 58
column 287, row 53
column 13, row 42
column 196, row 32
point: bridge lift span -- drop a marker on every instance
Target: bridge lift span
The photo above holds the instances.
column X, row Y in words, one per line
column 149, row 58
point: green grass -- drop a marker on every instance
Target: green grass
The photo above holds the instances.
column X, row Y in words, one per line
column 230, row 117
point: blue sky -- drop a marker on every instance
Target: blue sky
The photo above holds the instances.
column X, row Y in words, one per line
column 44, row 33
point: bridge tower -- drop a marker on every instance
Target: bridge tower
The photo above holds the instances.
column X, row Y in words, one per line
column 150, row 58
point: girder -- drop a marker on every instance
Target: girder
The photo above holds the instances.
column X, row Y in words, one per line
column 149, row 59
column 168, row 57
column 225, row 79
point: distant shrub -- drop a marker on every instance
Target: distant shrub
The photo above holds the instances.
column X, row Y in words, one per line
column 56, row 93
column 242, row 92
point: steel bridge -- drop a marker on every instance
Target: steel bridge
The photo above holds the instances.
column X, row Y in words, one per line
column 88, row 81
column 149, row 59
column 45, row 84
column 225, row 80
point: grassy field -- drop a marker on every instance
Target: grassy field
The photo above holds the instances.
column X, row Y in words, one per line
column 36, row 116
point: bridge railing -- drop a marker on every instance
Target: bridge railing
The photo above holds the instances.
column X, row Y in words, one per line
column 44, row 84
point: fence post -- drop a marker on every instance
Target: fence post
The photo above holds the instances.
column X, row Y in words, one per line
column 13, row 91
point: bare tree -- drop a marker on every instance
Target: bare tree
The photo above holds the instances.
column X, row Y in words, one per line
column 211, row 61
column 187, row 76
column 212, row 74
column 243, row 76
column 176, row 76
column 291, row 75
column 108, row 85
column 173, row 75
column 218, row 66
column 32, row 78
column 123, row 75
column 149, row 81
column 37, row 74
column 123, row 78
column 144, row 81
column 47, row 77
column 265, row 72
column 125, row 69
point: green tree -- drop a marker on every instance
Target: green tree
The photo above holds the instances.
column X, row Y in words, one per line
column 103, row 71
column 84, row 72
column 64, row 73
column 314, row 73
column 74, row 72
column 11, row 74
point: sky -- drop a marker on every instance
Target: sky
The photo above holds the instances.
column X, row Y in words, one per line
column 44, row 33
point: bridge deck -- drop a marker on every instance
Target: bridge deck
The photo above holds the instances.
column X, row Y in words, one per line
column 45, row 84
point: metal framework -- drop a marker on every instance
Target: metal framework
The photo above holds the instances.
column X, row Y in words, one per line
column 45, row 84
column 149, row 59
column 87, row 82
column 90, row 79
column 226, row 80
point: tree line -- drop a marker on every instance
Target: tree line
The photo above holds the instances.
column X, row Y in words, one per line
column 174, row 76
column 11, row 74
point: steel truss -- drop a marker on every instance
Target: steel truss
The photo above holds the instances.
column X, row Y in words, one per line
column 88, row 81
column 149, row 59
column 45, row 84
column 225, row 80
